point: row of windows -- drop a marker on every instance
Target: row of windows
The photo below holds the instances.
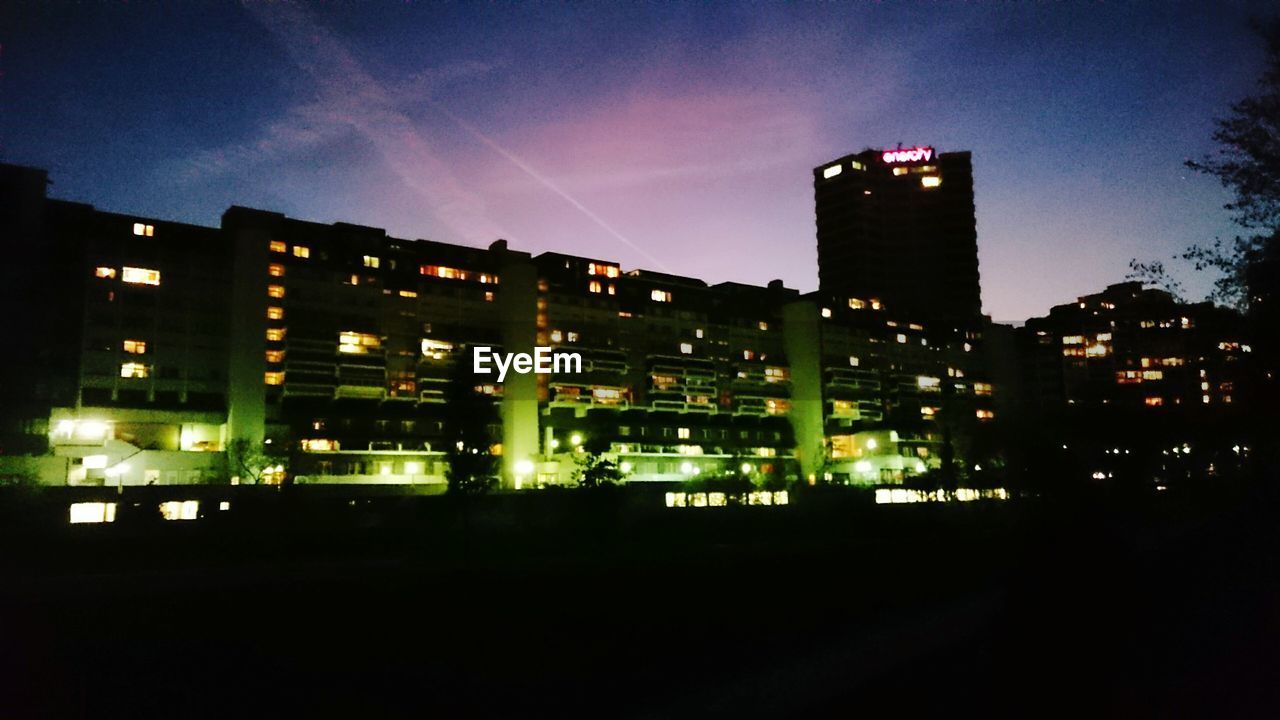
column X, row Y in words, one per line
column 131, row 275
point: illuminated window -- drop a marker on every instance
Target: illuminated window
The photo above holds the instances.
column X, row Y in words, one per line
column 595, row 286
column 440, row 271
column 278, row 246
column 408, row 294
column 929, row 384
column 853, row 361
column 900, row 171
column 275, row 334
column 135, row 347
column 660, row 296
column 105, row 272
column 275, row 270
column 275, row 356
column 748, row 355
column 682, row 433
column 826, row 312
column 557, row 336
column 857, row 304
column 141, row 276
column 301, row 251
column 488, row 296
column 1072, row 339
column 902, row 338
column 984, row 414
column 607, row 395
column 609, row 271
column 662, row 382
column 571, row 336
column 1154, row 401
column 612, row 290
column 275, row 313
column 357, row 343
column 274, row 378
column 832, row 171
column 686, row 348
column 981, row 388
column 371, row 261
column 930, row 181
column 144, row 230
column 92, row 512
column 774, row 406
column 776, row 374
column 436, row 349
column 698, row 333
column 319, row 445
column 763, row 325
column 135, row 370
column 275, row 291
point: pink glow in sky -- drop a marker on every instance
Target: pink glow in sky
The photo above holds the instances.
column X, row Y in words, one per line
column 660, row 136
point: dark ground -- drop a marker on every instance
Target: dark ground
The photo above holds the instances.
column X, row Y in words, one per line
column 1163, row 606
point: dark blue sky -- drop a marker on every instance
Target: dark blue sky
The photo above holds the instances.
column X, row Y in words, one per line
column 660, row 135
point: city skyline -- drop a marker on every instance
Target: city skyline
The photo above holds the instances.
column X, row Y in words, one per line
column 669, row 142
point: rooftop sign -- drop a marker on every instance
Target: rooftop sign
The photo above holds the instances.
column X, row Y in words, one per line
column 904, row 155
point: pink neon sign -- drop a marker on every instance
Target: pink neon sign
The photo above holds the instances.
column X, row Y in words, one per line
column 902, row 155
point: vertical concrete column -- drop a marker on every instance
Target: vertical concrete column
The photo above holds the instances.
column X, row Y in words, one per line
column 518, row 305
column 802, row 336
column 247, row 364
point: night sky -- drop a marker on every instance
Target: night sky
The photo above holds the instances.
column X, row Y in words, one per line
column 677, row 137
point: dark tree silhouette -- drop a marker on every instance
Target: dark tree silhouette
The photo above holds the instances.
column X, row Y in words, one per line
column 1246, row 162
column 250, row 461
column 594, row 469
column 467, row 419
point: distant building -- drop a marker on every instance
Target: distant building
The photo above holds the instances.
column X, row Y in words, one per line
column 898, row 227
column 160, row 344
column 1136, row 348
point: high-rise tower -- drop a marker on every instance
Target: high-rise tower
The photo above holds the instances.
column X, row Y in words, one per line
column 898, row 226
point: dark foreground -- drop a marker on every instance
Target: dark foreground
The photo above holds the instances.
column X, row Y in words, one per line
column 1150, row 607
